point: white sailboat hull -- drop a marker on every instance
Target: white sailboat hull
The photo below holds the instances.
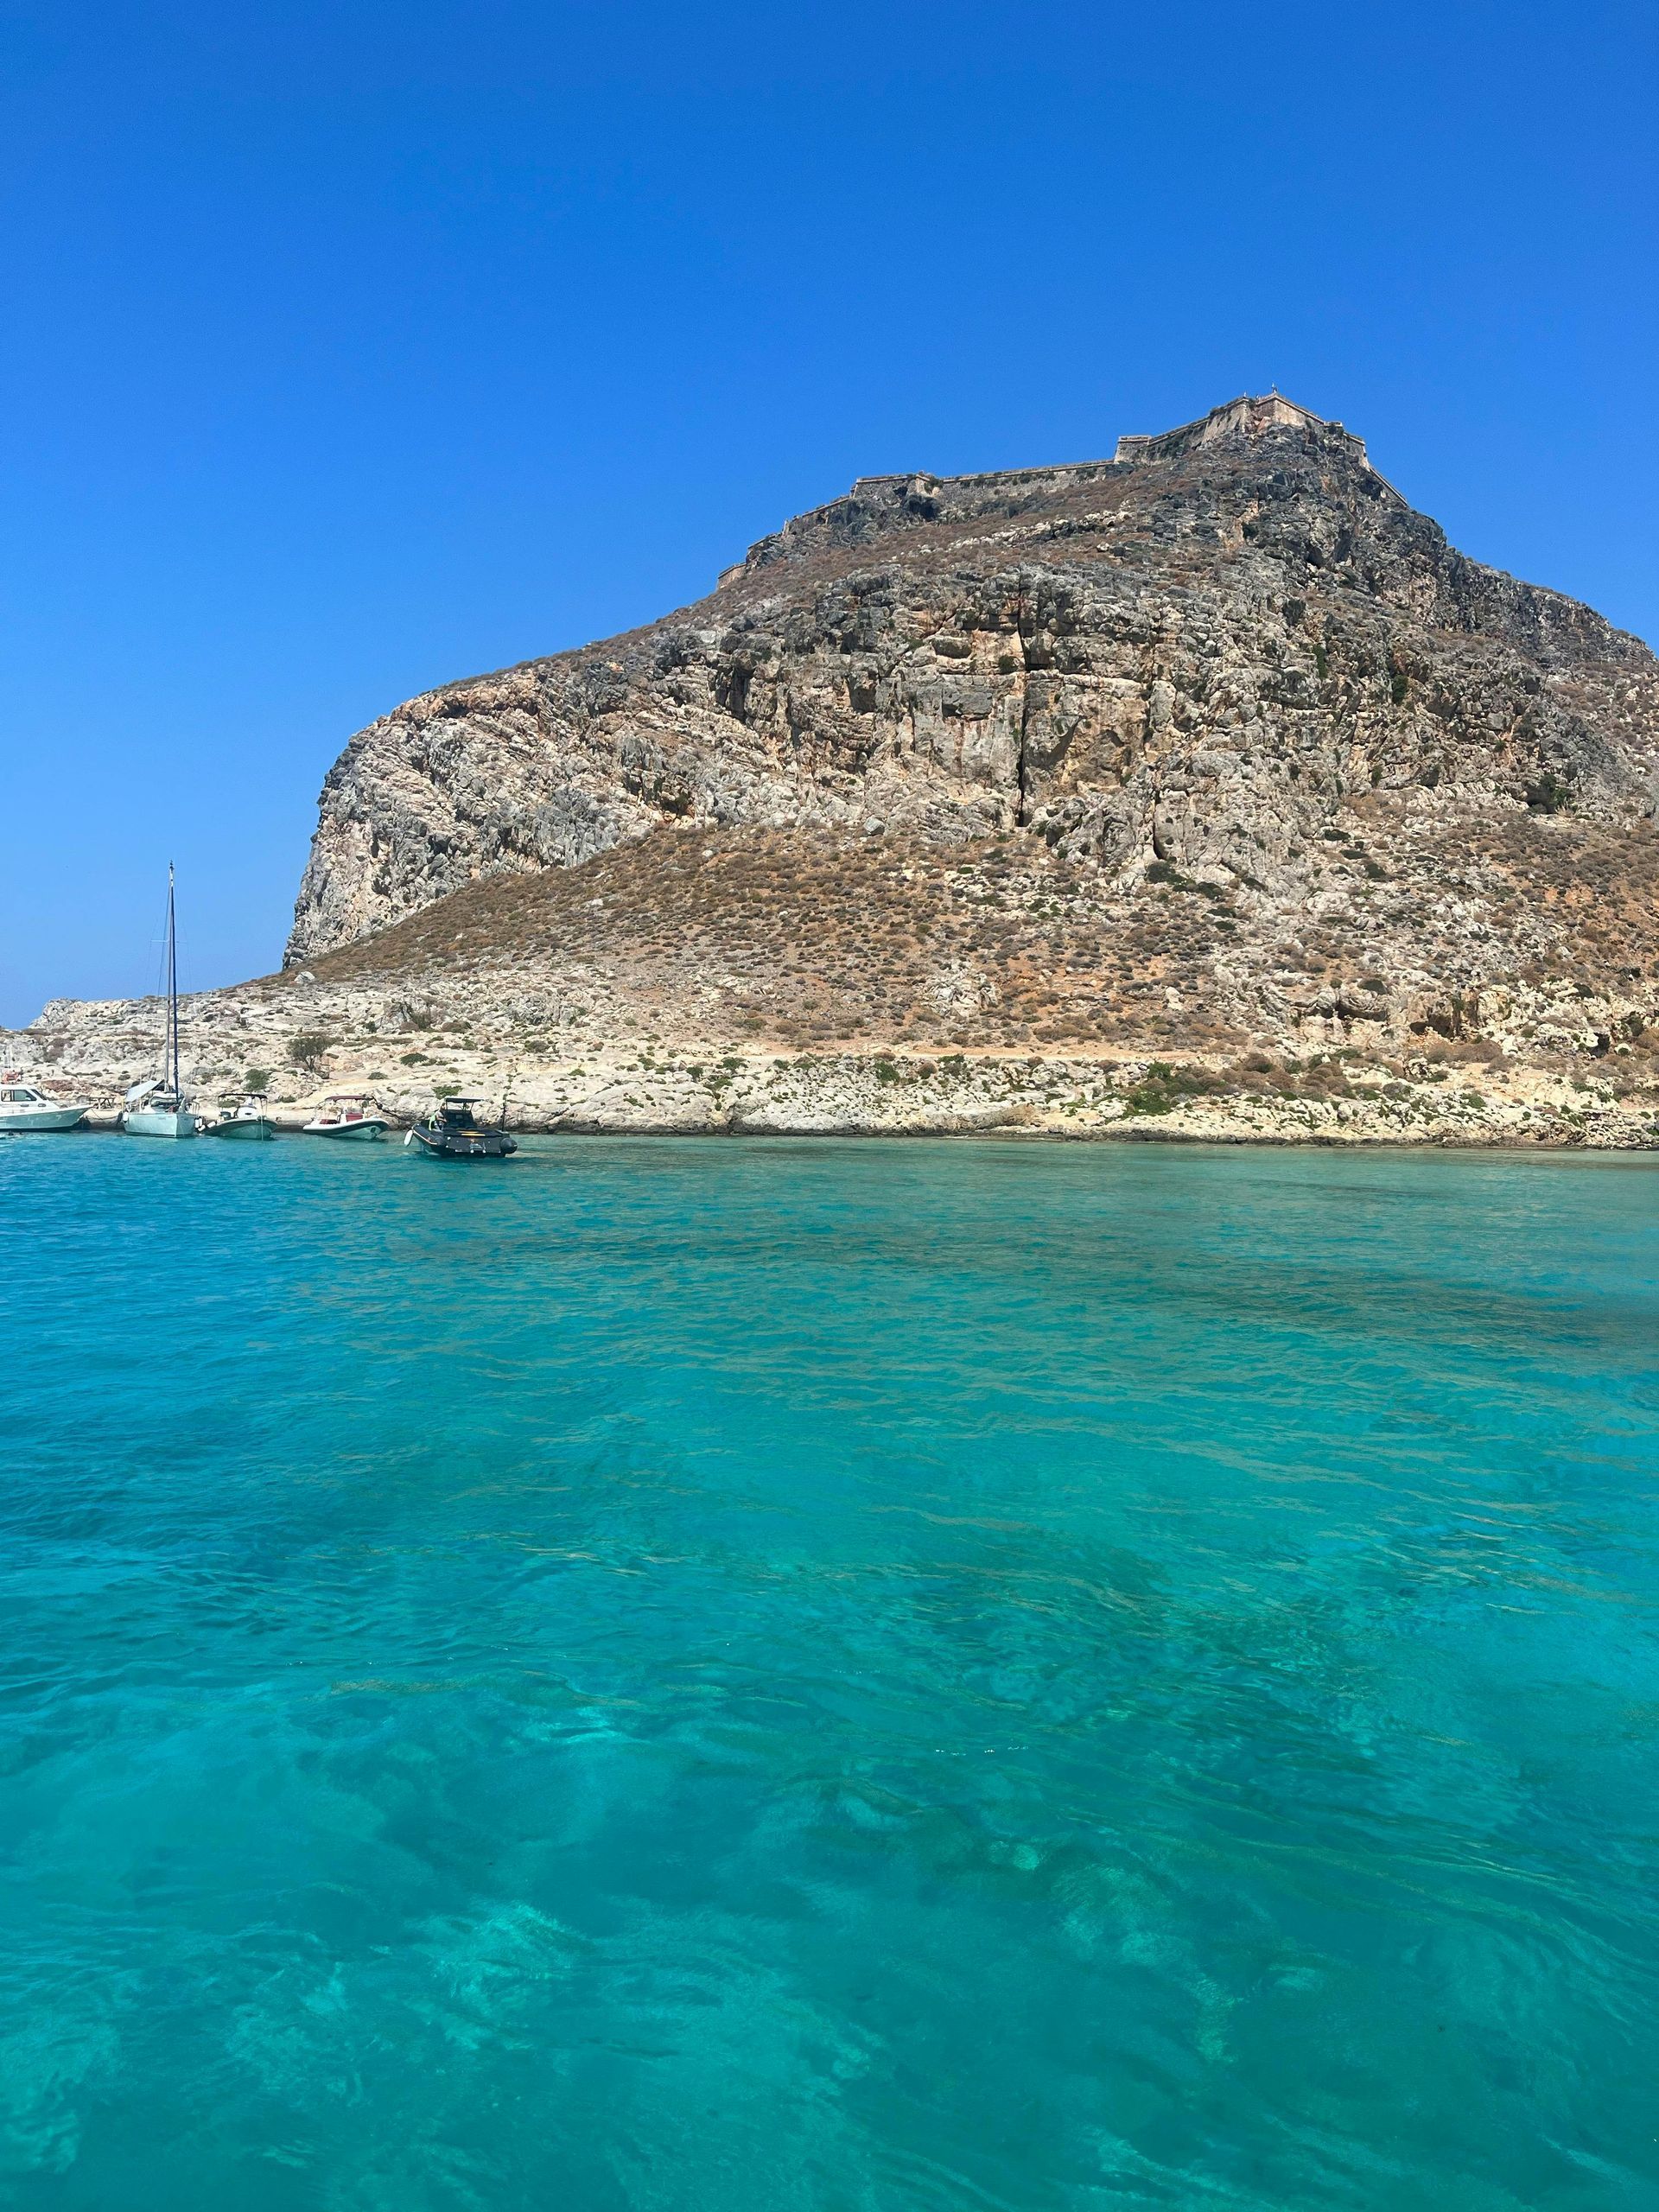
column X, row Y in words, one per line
column 148, row 1114
column 150, row 1122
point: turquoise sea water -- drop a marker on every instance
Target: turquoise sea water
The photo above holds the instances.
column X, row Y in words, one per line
column 682, row 1676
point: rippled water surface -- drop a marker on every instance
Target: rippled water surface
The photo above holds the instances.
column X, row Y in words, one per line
column 792, row 1677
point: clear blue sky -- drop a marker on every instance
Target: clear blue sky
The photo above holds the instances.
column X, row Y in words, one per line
column 350, row 347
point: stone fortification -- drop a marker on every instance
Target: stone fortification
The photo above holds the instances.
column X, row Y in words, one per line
column 1245, row 417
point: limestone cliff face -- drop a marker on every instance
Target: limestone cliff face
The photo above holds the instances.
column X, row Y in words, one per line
column 1194, row 654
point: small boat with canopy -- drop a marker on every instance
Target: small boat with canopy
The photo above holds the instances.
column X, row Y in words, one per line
column 351, row 1114
column 453, row 1131
column 249, row 1123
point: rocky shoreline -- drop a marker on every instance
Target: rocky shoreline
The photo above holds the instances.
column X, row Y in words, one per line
column 713, row 1090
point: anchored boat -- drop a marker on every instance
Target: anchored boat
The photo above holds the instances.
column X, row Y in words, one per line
column 249, row 1122
column 453, row 1131
column 153, row 1109
column 159, row 1107
column 23, row 1109
column 348, row 1113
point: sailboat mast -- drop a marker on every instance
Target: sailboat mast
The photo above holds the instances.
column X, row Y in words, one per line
column 172, row 982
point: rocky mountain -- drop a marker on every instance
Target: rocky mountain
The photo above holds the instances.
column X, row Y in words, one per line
column 1206, row 788
column 1192, row 653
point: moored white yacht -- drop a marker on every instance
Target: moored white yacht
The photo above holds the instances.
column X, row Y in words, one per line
column 348, row 1113
column 23, row 1108
column 159, row 1107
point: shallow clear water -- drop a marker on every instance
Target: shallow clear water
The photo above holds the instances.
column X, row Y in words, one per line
column 689, row 1675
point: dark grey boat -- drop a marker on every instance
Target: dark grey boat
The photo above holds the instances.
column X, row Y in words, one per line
column 453, row 1131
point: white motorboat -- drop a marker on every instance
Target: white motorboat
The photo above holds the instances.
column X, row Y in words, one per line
column 159, row 1107
column 249, row 1122
column 348, row 1113
column 23, row 1108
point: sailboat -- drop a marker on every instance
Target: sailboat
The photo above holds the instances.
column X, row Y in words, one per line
column 159, row 1107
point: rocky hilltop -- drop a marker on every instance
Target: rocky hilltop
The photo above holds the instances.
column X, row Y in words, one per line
column 1192, row 653
column 1206, row 788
